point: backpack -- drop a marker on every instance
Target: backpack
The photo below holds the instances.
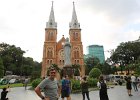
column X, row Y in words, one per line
column 103, row 87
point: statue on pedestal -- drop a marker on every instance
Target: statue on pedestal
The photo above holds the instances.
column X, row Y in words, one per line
column 68, row 70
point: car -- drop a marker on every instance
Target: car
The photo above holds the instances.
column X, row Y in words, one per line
column 12, row 81
column 115, row 78
column 3, row 81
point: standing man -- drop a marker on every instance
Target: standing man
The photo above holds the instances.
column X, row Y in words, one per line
column 66, row 88
column 49, row 86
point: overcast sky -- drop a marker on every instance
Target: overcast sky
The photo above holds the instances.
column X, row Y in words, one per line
column 103, row 22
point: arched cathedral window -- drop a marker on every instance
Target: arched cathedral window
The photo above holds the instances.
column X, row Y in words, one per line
column 50, row 36
column 50, row 53
column 75, row 36
column 76, row 53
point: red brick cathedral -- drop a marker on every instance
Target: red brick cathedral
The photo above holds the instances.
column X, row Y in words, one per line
column 53, row 52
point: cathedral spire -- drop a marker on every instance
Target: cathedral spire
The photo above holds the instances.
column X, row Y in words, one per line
column 51, row 23
column 74, row 22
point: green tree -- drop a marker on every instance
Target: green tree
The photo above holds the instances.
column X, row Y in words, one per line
column 137, row 66
column 90, row 63
column 11, row 56
column 137, row 70
column 95, row 73
column 105, row 68
column 13, row 60
column 27, row 66
column 126, row 53
column 1, row 68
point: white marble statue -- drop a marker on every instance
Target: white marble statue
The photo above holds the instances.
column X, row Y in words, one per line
column 67, row 53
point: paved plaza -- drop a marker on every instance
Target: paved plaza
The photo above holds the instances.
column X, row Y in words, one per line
column 116, row 93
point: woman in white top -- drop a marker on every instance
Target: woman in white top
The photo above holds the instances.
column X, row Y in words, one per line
column 102, row 88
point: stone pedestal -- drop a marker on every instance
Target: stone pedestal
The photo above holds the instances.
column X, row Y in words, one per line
column 68, row 70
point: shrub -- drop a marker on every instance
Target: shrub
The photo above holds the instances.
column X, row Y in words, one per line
column 95, row 73
column 92, row 82
column 75, row 85
column 36, row 82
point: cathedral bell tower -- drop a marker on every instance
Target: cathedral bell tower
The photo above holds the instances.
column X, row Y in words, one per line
column 49, row 49
column 76, row 43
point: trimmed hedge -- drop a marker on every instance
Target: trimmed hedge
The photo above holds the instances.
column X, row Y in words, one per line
column 92, row 82
column 36, row 82
column 95, row 73
column 75, row 85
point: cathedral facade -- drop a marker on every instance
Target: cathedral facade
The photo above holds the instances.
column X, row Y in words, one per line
column 53, row 51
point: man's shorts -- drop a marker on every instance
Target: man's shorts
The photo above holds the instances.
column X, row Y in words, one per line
column 65, row 93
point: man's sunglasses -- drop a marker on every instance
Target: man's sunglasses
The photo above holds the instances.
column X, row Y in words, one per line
column 52, row 72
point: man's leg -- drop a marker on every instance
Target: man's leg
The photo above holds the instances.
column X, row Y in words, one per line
column 136, row 86
column 25, row 86
column 69, row 98
column 68, row 95
column 62, row 94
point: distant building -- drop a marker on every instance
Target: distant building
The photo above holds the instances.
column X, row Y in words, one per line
column 96, row 51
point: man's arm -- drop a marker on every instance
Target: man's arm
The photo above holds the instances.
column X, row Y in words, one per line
column 38, row 92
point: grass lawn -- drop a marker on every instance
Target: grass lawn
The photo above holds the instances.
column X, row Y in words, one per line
column 13, row 85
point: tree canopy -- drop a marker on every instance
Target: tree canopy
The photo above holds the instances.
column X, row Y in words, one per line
column 14, row 61
column 126, row 54
column 1, row 68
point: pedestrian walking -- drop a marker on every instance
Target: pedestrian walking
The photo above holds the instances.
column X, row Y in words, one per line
column 84, row 88
column 50, row 87
column 134, row 82
column 66, row 88
column 102, row 88
column 4, row 94
column 128, row 86
column 26, row 81
column 138, row 81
